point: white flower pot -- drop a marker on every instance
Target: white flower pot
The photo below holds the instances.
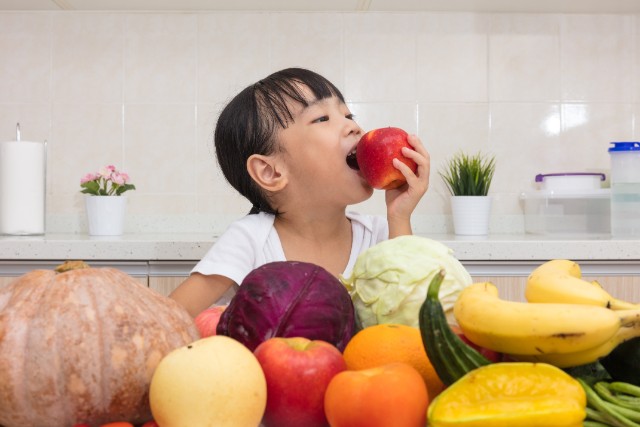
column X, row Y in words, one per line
column 471, row 215
column 105, row 215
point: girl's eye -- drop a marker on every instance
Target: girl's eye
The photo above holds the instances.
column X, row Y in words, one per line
column 321, row 119
column 350, row 116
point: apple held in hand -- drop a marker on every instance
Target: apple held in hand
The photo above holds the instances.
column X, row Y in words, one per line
column 207, row 321
column 298, row 371
column 375, row 153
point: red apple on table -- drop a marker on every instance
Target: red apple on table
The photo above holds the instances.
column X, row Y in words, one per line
column 208, row 320
column 375, row 153
column 298, row 371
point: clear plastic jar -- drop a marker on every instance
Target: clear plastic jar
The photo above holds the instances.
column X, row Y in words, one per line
column 625, row 189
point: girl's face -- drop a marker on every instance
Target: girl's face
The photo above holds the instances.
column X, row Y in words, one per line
column 316, row 146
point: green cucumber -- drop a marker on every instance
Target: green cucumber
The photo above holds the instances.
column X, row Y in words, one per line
column 451, row 357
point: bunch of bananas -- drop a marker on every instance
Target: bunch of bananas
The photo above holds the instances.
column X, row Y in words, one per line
column 566, row 322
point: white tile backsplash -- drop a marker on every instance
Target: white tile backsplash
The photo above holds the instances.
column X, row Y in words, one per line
column 451, row 57
column 233, row 52
column 160, row 57
column 380, row 57
column 87, row 56
column 25, row 55
column 524, row 58
column 543, row 92
column 597, row 54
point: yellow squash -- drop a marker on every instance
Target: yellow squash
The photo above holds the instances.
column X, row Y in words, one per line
column 518, row 394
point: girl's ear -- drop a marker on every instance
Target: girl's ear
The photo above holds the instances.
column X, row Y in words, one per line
column 266, row 172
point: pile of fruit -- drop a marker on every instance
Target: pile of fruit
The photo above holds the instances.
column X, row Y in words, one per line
column 85, row 347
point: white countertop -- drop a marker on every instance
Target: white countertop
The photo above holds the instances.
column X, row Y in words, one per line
column 192, row 246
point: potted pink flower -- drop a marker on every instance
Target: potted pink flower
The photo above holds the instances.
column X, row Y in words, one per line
column 105, row 215
column 108, row 181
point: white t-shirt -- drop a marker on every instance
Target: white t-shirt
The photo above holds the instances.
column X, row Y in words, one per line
column 252, row 241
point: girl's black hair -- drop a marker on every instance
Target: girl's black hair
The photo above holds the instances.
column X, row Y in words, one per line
column 248, row 124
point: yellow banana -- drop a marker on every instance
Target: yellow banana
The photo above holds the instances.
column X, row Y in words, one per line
column 559, row 281
column 567, row 360
column 530, row 328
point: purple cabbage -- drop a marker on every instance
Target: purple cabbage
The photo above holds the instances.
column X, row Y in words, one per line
column 289, row 299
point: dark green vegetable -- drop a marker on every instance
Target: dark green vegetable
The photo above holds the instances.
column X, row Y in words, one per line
column 623, row 363
column 451, row 357
column 591, row 371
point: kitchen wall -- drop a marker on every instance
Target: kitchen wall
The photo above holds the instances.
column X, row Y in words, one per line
column 543, row 92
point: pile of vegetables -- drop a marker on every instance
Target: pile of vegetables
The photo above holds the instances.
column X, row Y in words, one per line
column 604, row 399
column 96, row 337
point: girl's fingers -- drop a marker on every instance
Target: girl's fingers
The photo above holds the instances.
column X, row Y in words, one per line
column 417, row 145
column 413, row 180
column 422, row 159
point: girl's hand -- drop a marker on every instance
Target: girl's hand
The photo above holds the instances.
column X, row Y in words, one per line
column 402, row 201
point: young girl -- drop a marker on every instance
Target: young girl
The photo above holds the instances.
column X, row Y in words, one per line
column 283, row 143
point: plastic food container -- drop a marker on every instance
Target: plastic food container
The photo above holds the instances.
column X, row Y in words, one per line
column 568, row 204
column 570, row 181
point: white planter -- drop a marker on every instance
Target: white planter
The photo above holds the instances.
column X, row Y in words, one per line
column 471, row 215
column 105, row 215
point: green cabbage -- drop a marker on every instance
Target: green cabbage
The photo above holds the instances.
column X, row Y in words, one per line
column 389, row 281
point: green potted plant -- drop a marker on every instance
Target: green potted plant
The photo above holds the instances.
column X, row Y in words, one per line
column 468, row 178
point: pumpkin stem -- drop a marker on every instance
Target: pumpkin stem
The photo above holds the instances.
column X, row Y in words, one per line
column 71, row 265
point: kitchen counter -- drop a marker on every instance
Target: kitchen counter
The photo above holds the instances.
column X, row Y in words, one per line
column 192, row 246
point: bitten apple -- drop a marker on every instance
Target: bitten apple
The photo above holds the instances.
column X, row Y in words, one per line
column 375, row 153
column 208, row 320
column 298, row 371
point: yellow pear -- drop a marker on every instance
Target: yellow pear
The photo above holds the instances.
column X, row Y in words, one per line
column 212, row 382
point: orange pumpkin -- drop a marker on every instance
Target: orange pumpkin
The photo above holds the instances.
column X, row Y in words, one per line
column 81, row 346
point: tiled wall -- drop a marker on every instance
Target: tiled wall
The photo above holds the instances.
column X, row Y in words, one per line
column 543, row 92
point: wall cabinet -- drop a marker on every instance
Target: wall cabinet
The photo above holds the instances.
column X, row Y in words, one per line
column 620, row 278
column 626, row 288
column 10, row 270
column 165, row 276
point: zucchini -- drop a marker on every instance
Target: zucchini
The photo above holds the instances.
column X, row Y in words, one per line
column 451, row 357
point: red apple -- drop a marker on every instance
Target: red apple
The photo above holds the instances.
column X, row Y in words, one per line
column 298, row 371
column 375, row 153
column 491, row 355
column 208, row 319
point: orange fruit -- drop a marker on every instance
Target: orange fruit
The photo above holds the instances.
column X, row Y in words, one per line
column 389, row 395
column 381, row 344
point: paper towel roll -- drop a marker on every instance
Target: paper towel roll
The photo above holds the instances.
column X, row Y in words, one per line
column 22, row 187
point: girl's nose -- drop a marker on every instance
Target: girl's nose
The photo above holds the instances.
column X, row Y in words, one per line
column 353, row 128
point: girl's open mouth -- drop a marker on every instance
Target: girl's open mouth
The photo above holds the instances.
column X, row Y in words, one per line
column 352, row 161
